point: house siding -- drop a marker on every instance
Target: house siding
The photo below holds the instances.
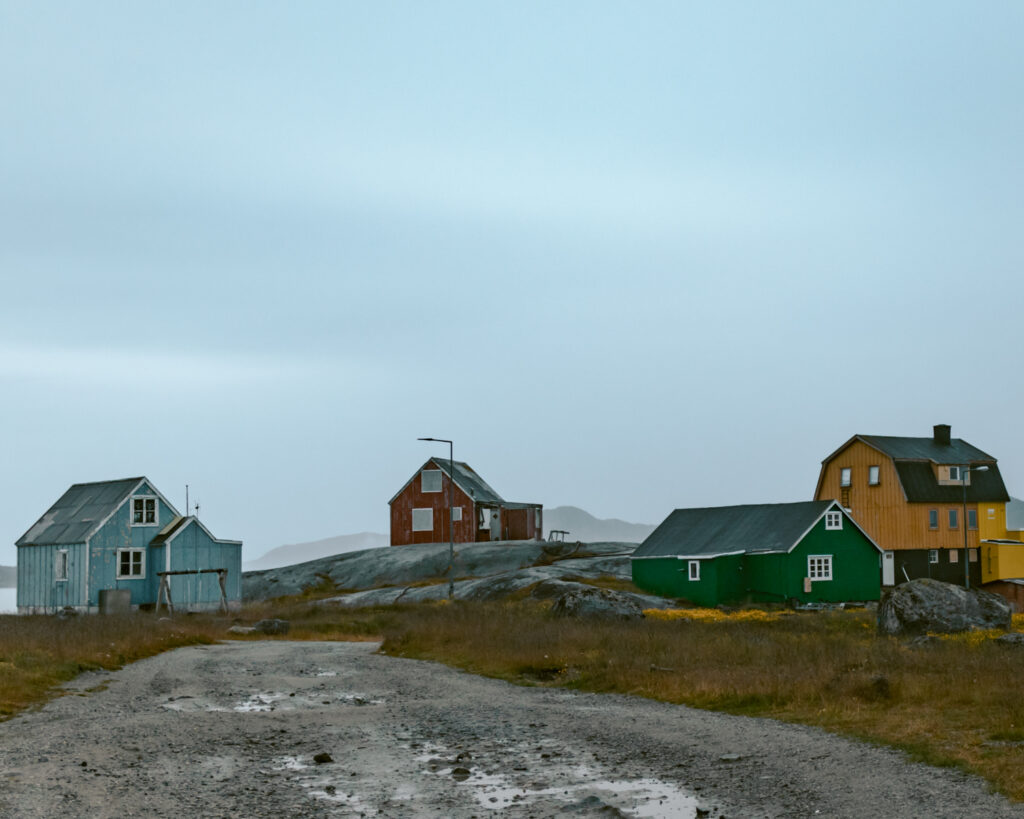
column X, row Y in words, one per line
column 38, row 590
column 412, row 497
column 193, row 549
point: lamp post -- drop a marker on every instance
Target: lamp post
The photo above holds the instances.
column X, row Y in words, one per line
column 965, row 471
column 451, row 528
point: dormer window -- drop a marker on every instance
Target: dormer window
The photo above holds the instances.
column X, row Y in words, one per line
column 954, row 473
column 144, row 511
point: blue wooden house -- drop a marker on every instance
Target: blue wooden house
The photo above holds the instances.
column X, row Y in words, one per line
column 127, row 537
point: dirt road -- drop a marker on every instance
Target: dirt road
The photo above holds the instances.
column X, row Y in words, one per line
column 234, row 730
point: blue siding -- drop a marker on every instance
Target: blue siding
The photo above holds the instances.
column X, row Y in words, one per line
column 119, row 533
column 38, row 588
column 193, row 549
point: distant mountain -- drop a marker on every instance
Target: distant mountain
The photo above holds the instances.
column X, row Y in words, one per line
column 585, row 527
column 293, row 553
column 8, row 577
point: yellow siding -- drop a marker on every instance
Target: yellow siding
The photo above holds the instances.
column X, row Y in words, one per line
column 1001, row 561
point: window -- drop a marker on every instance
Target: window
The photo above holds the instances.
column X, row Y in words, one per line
column 60, row 565
column 131, row 563
column 484, row 521
column 954, row 518
column 819, row 567
column 933, row 518
column 873, row 475
column 833, row 520
column 954, row 473
column 694, row 570
column 144, row 511
column 972, row 555
column 423, row 520
column 991, row 513
column 456, row 513
column 972, row 518
column 845, row 476
column 430, row 480
column 933, row 555
column 954, row 556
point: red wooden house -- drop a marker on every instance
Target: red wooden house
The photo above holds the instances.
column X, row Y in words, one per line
column 419, row 510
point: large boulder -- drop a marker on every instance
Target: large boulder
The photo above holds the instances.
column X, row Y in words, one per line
column 926, row 605
column 590, row 601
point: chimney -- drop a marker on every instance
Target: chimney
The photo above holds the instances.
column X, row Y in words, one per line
column 940, row 434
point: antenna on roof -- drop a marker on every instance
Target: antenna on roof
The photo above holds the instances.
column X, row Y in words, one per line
column 197, row 510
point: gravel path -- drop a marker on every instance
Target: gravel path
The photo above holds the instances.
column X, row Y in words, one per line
column 233, row 730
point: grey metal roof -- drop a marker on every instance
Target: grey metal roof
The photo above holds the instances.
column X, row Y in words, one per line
column 169, row 530
column 78, row 512
column 468, row 481
column 921, row 486
column 957, row 451
column 721, row 530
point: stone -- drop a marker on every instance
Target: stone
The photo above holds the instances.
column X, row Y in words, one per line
column 590, row 601
column 323, row 758
column 930, row 606
column 460, row 774
column 240, row 630
column 272, row 627
column 1013, row 639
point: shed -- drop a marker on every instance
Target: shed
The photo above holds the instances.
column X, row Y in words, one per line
column 810, row 551
column 122, row 535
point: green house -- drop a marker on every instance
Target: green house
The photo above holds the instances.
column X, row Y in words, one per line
column 809, row 552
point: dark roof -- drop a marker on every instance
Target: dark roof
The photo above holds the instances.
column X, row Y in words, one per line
column 468, row 481
column 921, row 486
column 170, row 529
column 957, row 451
column 721, row 530
column 79, row 512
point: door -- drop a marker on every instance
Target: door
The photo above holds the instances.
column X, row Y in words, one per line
column 888, row 569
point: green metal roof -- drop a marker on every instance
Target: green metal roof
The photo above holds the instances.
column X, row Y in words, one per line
column 79, row 512
column 722, row 530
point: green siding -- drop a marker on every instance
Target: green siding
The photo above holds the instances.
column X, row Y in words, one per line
column 772, row 578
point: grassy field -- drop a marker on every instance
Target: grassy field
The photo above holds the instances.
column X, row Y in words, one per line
column 957, row 701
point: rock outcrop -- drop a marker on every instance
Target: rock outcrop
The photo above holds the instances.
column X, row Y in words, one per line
column 931, row 606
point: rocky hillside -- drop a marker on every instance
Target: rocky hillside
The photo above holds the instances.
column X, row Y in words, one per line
column 292, row 553
column 583, row 526
column 483, row 571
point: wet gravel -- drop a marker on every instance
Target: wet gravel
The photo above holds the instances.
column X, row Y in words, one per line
column 279, row 728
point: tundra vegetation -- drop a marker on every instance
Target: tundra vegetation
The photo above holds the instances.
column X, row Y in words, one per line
column 953, row 700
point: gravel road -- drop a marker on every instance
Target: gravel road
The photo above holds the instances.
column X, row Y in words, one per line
column 234, row 730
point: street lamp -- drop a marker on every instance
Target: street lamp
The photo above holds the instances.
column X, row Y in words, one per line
column 965, row 471
column 451, row 528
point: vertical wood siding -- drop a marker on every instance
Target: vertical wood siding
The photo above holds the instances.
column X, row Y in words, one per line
column 413, row 498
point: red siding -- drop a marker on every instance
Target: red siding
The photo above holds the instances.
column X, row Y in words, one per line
column 412, row 498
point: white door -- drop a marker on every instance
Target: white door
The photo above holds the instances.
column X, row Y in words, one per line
column 888, row 569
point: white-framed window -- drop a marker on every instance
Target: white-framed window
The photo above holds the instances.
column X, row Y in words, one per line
column 873, row 476
column 60, row 565
column 131, row 564
column 456, row 513
column 145, row 511
column 423, row 520
column 819, row 567
column 430, row 480
column 954, row 473
column 693, row 570
column 845, row 476
column 933, row 555
column 833, row 520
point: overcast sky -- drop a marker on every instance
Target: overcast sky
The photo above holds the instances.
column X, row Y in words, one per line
column 631, row 257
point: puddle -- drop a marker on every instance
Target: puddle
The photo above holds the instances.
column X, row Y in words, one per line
column 276, row 700
column 579, row 786
column 326, row 674
column 260, row 702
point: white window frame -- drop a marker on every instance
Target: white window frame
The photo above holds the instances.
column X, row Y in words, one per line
column 143, row 499
column 60, row 566
column 456, row 514
column 833, row 520
column 141, row 575
column 873, row 473
column 846, row 477
column 933, row 556
column 819, row 567
column 693, row 570
column 423, row 481
column 429, row 518
column 954, row 473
